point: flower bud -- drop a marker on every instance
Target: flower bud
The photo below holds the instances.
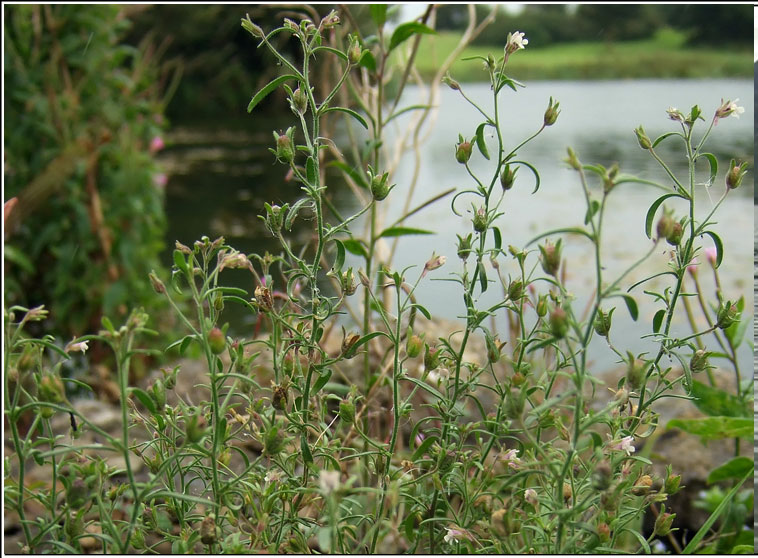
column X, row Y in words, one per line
column 299, row 101
column 572, row 160
column 674, row 237
column 516, row 290
column 508, row 177
column 435, row 262
column 542, row 306
column 559, row 325
column 379, row 187
column 451, row 83
column 665, row 225
column 699, row 361
column 567, row 492
column 431, row 357
column 735, row 175
column 727, row 315
column 603, row 532
column 216, row 341
column 493, row 349
column 355, row 52
column 284, row 150
column 672, row 484
column 463, row 152
column 602, row 322
column 159, row 395
column 464, row 246
column 609, row 178
column 347, row 411
column 550, row 257
column 413, row 346
column 480, row 220
column 635, row 372
column 365, row 281
column 209, row 530
column 551, row 114
column 252, row 28
column 157, row 284
column 642, row 138
column 663, row 523
column 347, row 282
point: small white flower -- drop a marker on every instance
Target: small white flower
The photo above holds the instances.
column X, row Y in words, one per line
column 675, row 114
column 530, row 495
column 728, row 108
column 511, row 457
column 328, row 481
column 625, row 444
column 273, row 476
column 515, row 41
column 453, row 535
column 80, row 347
column 439, row 374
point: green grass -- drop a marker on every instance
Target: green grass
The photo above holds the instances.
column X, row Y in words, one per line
column 663, row 56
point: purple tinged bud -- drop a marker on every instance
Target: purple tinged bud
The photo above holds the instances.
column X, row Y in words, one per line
column 216, row 341
column 550, row 257
column 559, row 325
column 674, row 237
column 463, row 152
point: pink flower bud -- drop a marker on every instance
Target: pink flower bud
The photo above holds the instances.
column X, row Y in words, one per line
column 156, row 144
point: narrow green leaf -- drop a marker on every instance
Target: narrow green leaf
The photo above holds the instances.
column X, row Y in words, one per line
column 719, row 246
column 498, row 238
column 145, row 399
column 653, row 209
column 349, row 112
column 423, row 310
column 179, row 261
column 107, row 324
column 363, row 340
column 423, row 385
column 355, row 247
column 402, row 231
column 423, row 447
column 322, row 380
column 482, row 277
column 591, row 211
column 404, row 110
column 268, row 88
column 733, row 469
column 712, row 428
column 378, row 13
column 339, row 261
column 658, row 320
column 405, row 31
column 659, row 139
column 334, row 51
column 310, row 172
column 354, row 174
column 631, row 305
column 480, row 143
column 703, row 531
column 307, row 457
column 716, row 402
column 713, row 163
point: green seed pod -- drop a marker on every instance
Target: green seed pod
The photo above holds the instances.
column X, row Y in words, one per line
column 559, row 324
column 355, row 52
column 699, row 361
column 299, row 101
column 542, row 306
column 735, row 175
column 463, row 152
column 665, row 225
column 284, row 149
column 602, row 324
column 550, row 257
column 464, row 247
column 551, row 113
column 379, row 187
column 414, row 345
column 675, row 234
column 728, row 314
column 643, row 139
column 515, row 290
column 663, row 524
column 508, row 177
column 159, row 395
column 216, row 341
column 431, row 357
column 347, row 411
column 480, row 220
column 635, row 372
column 672, row 484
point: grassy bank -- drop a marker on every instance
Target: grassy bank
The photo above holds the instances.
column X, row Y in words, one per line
column 663, row 56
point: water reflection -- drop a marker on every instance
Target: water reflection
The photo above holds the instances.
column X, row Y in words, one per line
column 219, row 183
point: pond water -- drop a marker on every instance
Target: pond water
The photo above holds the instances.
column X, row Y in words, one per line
column 220, row 174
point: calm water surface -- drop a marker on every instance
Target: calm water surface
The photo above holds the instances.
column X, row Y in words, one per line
column 219, row 181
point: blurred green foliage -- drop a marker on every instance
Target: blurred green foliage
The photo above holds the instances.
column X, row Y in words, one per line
column 81, row 111
column 547, row 24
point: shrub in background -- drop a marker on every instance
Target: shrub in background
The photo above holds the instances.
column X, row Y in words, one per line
column 83, row 118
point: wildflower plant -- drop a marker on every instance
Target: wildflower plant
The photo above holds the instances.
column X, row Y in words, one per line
column 376, row 435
